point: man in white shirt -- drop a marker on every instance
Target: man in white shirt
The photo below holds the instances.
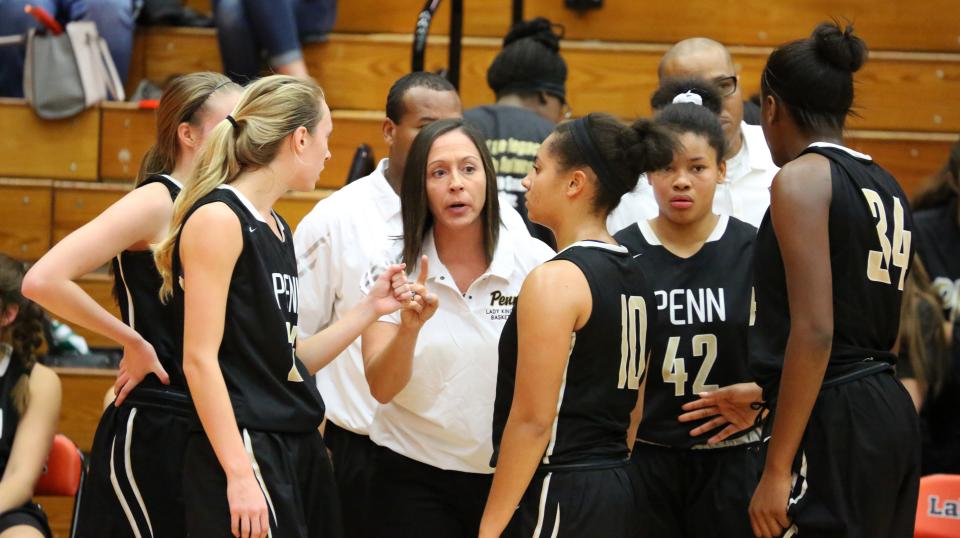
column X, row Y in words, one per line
column 339, row 243
column 745, row 194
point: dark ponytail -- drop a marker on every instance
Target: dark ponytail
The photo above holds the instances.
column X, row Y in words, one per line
column 839, row 48
column 26, row 333
column 530, row 61
column 943, row 187
column 672, row 87
column 687, row 117
column 619, row 153
column 813, row 77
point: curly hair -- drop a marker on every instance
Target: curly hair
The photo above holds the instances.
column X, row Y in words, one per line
column 25, row 334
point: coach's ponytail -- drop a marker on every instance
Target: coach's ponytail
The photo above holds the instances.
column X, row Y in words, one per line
column 269, row 110
column 184, row 101
column 616, row 153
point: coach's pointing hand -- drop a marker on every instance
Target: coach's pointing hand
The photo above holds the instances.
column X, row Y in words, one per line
column 423, row 305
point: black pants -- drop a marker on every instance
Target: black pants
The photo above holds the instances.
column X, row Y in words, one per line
column 695, row 493
column 133, row 483
column 857, row 472
column 415, row 500
column 294, row 472
column 354, row 459
column 574, row 504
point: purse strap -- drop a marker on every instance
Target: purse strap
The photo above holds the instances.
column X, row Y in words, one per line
column 12, row 40
column 114, row 84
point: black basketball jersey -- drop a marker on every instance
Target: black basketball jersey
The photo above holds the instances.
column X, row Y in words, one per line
column 136, row 287
column 938, row 245
column 704, row 306
column 270, row 389
column 870, row 233
column 10, row 371
column 606, row 363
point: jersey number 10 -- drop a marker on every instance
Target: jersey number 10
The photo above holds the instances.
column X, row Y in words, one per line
column 633, row 341
column 879, row 262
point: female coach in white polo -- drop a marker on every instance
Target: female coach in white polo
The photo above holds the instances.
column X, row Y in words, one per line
column 437, row 380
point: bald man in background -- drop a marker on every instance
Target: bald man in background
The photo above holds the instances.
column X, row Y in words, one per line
column 745, row 194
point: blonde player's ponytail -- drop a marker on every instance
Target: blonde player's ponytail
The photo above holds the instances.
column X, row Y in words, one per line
column 270, row 110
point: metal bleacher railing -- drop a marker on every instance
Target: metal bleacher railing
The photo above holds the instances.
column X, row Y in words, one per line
column 454, row 50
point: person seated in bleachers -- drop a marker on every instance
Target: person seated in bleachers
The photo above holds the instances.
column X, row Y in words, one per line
column 529, row 79
column 923, row 360
column 937, row 238
column 29, row 406
column 745, row 194
column 250, row 30
column 114, row 19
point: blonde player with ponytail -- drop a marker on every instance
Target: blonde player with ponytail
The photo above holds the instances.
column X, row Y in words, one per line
column 133, row 486
column 259, row 467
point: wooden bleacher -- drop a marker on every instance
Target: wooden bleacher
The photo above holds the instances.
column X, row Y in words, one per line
column 884, row 25
column 903, row 91
column 55, row 176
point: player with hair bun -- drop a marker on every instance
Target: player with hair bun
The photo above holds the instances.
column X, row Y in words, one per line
column 574, row 350
column 831, row 260
column 694, row 483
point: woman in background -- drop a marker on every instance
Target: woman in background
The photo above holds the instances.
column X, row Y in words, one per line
column 29, row 407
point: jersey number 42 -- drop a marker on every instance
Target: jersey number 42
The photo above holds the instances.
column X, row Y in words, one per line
column 674, row 367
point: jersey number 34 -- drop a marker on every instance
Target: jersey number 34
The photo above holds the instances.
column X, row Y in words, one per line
column 897, row 253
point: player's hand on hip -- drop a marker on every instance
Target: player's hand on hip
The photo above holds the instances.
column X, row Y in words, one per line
column 423, row 304
column 734, row 406
column 249, row 517
column 139, row 360
column 768, row 507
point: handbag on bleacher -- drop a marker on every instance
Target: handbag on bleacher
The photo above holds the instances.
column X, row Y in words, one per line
column 65, row 74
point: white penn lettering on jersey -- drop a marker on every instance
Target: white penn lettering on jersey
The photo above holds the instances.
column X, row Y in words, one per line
column 286, row 286
column 703, row 305
column 293, row 374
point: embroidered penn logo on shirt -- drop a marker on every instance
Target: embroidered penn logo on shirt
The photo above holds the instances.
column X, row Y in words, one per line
column 500, row 306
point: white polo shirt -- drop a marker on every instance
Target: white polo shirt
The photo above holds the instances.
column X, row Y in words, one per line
column 444, row 416
column 745, row 194
column 337, row 244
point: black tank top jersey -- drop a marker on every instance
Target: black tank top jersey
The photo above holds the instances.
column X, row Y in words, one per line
column 938, row 244
column 9, row 416
column 606, row 362
column 136, row 286
column 703, row 311
column 870, row 233
column 270, row 389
